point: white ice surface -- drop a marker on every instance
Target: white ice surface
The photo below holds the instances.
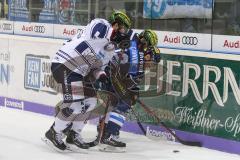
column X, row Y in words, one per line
column 20, row 134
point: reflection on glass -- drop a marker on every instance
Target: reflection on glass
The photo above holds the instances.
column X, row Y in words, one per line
column 3, row 9
column 154, row 14
column 226, row 17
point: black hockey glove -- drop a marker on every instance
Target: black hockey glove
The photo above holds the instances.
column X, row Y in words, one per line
column 119, row 37
column 103, row 83
column 124, row 44
column 134, row 93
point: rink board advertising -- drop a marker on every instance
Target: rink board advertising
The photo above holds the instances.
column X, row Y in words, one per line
column 172, row 40
column 204, row 96
column 38, row 75
column 202, row 100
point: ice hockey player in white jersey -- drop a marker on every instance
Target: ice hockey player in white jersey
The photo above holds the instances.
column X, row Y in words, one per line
column 72, row 64
column 116, row 28
column 79, row 58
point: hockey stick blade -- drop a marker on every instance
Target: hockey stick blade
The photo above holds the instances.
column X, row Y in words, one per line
column 150, row 112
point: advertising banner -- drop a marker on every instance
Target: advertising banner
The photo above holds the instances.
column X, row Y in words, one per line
column 202, row 100
column 203, row 97
column 226, row 44
column 31, row 78
column 6, row 70
column 13, row 103
column 6, row 26
column 165, row 9
column 184, row 40
column 67, row 31
column 37, row 74
column 33, row 29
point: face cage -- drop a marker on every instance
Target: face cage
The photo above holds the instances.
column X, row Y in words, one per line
column 154, row 57
column 122, row 28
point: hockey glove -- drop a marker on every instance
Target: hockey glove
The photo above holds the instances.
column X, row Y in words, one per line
column 119, row 37
column 134, row 94
column 124, row 44
column 102, row 83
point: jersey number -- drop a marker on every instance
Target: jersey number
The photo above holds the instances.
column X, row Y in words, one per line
column 99, row 31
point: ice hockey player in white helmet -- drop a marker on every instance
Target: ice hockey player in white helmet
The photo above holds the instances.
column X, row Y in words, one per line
column 79, row 58
column 72, row 64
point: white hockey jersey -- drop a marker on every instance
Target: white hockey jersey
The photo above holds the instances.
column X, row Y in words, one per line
column 82, row 56
column 97, row 28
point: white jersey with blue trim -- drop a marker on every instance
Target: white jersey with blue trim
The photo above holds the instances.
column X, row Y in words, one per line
column 82, row 56
column 97, row 28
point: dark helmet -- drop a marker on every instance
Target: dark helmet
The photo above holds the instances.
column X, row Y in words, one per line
column 149, row 37
column 120, row 18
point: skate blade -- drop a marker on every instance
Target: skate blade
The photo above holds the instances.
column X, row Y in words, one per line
column 51, row 145
column 76, row 149
column 108, row 148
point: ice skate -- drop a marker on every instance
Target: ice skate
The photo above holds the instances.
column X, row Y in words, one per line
column 54, row 140
column 110, row 143
column 75, row 142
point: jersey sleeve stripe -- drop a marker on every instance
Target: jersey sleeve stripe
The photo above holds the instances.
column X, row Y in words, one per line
column 67, row 59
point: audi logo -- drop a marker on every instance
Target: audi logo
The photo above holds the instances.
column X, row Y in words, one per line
column 39, row 29
column 188, row 40
column 6, row 26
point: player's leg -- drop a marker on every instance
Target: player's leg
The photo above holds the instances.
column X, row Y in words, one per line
column 90, row 102
column 74, row 135
column 114, row 123
column 73, row 102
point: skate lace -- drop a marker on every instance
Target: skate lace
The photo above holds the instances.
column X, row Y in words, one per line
column 59, row 137
column 115, row 138
column 79, row 138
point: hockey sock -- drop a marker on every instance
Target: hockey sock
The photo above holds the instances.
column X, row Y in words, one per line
column 115, row 123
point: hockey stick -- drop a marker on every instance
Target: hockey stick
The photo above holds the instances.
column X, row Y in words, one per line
column 150, row 112
column 138, row 122
column 102, row 126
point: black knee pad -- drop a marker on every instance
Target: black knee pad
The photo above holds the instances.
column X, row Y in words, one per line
column 67, row 112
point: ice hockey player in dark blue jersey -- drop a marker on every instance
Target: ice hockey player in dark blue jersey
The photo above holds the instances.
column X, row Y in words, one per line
column 127, row 68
